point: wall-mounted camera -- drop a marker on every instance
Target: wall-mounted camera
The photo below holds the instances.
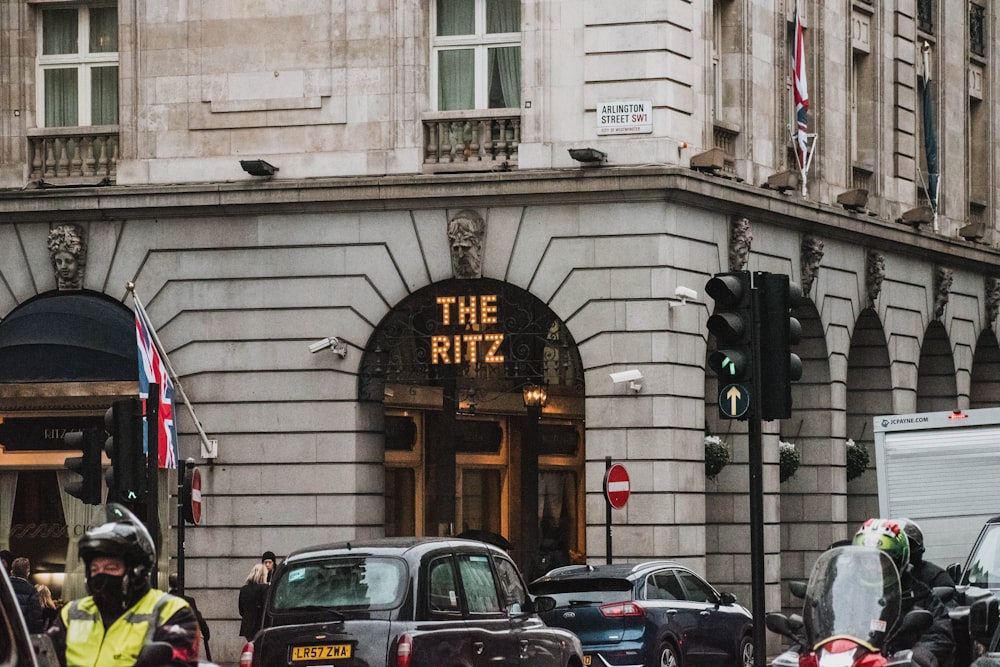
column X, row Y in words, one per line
column 333, row 343
column 633, row 377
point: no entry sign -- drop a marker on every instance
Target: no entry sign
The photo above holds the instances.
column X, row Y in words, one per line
column 192, row 484
column 616, row 486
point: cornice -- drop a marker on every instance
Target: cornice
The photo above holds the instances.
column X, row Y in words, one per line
column 477, row 190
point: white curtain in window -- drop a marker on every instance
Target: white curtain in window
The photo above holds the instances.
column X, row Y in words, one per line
column 505, row 64
column 8, row 490
column 504, row 16
column 79, row 517
column 104, row 96
column 456, row 79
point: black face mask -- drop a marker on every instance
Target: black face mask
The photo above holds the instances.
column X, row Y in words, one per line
column 108, row 591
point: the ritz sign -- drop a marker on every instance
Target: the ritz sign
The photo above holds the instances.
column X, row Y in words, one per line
column 472, row 313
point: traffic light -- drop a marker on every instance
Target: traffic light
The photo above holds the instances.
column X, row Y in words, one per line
column 732, row 325
column 88, row 466
column 127, row 476
column 779, row 366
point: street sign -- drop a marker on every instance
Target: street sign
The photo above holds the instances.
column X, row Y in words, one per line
column 616, row 486
column 192, row 482
column 734, row 401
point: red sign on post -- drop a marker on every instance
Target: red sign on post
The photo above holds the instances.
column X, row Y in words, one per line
column 193, row 492
column 616, row 486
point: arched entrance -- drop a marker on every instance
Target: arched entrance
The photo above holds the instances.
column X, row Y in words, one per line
column 460, row 367
column 65, row 356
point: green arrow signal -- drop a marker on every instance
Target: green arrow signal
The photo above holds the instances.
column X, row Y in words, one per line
column 730, row 364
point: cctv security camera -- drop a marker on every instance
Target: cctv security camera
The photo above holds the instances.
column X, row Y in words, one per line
column 685, row 293
column 626, row 376
column 321, row 345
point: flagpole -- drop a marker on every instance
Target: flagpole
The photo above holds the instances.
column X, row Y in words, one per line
column 130, row 287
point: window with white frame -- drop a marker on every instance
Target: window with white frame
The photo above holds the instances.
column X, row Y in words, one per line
column 78, row 66
column 477, row 54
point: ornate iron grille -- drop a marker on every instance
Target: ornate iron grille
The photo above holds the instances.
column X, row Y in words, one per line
column 415, row 344
column 977, row 37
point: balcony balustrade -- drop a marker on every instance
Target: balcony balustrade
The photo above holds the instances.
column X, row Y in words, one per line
column 74, row 154
column 482, row 140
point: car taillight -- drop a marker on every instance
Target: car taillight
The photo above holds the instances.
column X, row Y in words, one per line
column 620, row 609
column 403, row 650
column 246, row 657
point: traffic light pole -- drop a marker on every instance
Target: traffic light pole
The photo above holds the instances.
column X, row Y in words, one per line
column 756, row 465
column 152, row 472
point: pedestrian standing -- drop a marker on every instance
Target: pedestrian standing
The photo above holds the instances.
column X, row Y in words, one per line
column 269, row 560
column 205, row 635
column 251, row 602
column 27, row 596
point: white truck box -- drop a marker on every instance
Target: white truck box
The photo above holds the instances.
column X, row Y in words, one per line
column 942, row 470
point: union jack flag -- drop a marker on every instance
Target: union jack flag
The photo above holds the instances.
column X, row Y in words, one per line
column 153, row 370
column 801, row 93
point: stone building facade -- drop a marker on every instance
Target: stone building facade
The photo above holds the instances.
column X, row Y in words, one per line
column 397, row 175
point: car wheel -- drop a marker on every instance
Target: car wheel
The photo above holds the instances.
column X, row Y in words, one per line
column 746, row 652
column 668, row 656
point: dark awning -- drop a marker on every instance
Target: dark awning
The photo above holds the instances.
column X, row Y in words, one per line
column 63, row 336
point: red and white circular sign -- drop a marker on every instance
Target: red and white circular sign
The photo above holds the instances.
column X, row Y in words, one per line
column 195, row 510
column 616, row 486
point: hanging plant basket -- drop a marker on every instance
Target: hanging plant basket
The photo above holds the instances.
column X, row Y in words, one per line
column 789, row 458
column 857, row 459
column 716, row 455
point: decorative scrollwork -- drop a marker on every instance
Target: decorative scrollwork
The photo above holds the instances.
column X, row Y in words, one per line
column 493, row 345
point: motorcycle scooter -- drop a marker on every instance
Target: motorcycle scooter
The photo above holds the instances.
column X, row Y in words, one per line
column 852, row 614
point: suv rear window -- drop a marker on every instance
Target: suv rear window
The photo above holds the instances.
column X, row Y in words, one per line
column 592, row 590
column 342, row 583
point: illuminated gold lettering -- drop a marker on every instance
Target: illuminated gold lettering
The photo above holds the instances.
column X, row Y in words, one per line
column 471, row 346
column 492, row 357
column 466, row 310
column 488, row 308
column 445, row 301
column 457, row 350
column 439, row 347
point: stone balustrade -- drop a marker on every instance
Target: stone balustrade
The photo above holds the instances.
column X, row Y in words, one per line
column 481, row 140
column 74, row 154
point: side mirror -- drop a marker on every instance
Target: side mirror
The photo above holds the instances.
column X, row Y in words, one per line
column 797, row 589
column 727, row 598
column 955, row 572
column 543, row 603
column 778, row 623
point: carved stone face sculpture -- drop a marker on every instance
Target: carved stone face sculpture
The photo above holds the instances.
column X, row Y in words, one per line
column 740, row 239
column 874, row 275
column 943, row 278
column 466, row 232
column 68, row 255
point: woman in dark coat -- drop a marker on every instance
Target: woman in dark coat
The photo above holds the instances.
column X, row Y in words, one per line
column 252, row 596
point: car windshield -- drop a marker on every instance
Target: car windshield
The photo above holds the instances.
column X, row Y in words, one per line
column 351, row 582
column 983, row 569
column 589, row 590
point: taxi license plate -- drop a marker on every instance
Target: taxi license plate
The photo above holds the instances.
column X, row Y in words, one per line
column 321, row 652
column 586, row 661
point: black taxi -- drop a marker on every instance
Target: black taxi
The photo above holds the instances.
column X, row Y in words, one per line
column 406, row 602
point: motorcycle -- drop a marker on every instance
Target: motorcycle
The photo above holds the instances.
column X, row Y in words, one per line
column 852, row 614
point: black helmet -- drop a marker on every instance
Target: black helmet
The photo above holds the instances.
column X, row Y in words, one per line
column 123, row 536
column 916, row 538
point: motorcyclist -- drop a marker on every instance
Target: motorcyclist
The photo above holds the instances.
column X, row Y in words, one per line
column 936, row 646
column 924, row 570
column 123, row 612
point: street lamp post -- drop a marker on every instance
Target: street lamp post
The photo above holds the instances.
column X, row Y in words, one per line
column 535, row 397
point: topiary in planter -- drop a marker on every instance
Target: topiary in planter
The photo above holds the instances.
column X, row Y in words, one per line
column 716, row 455
column 857, row 459
column 789, row 458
